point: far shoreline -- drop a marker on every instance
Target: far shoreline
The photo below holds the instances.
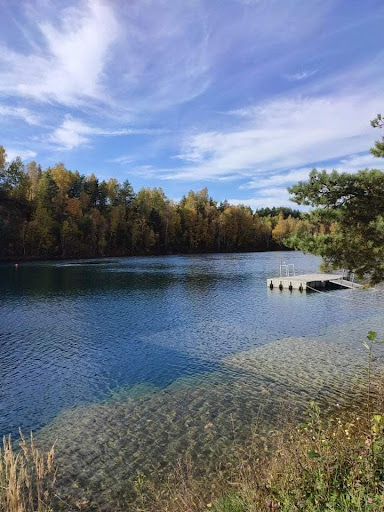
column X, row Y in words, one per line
column 18, row 260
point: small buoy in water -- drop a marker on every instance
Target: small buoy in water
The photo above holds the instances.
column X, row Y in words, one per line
column 16, row 266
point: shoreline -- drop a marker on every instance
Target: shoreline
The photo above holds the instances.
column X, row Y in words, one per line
column 19, row 259
column 114, row 256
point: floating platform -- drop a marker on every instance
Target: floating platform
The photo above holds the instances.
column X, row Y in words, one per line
column 303, row 281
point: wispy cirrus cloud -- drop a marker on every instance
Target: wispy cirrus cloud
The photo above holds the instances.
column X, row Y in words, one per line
column 24, row 154
column 68, row 59
column 73, row 133
column 272, row 191
column 141, row 56
column 301, row 75
column 148, row 55
column 21, row 113
column 277, row 179
column 104, row 59
column 281, row 134
column 269, row 198
column 123, row 160
column 352, row 163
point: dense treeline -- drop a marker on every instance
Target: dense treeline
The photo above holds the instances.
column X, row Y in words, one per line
column 57, row 213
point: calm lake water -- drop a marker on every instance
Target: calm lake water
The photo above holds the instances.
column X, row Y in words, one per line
column 126, row 361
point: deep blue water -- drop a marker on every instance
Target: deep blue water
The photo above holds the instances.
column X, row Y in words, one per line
column 72, row 334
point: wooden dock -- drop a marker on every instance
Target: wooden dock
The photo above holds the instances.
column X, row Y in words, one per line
column 308, row 281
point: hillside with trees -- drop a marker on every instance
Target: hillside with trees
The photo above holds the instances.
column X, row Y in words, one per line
column 58, row 213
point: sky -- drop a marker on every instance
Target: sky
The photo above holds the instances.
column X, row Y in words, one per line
column 244, row 97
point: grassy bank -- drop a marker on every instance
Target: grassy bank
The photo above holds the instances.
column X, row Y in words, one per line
column 332, row 462
column 327, row 463
column 27, row 477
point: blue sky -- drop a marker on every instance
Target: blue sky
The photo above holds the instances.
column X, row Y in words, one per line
column 241, row 96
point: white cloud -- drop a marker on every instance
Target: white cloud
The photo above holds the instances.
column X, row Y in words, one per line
column 249, row 2
column 123, row 160
column 278, row 179
column 274, row 192
column 354, row 163
column 73, row 133
column 270, row 190
column 351, row 164
column 70, row 134
column 71, row 60
column 143, row 55
column 20, row 113
column 144, row 171
column 271, row 197
column 24, row 154
column 301, row 75
column 281, row 134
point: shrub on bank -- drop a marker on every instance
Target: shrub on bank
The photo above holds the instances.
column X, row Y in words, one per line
column 27, row 477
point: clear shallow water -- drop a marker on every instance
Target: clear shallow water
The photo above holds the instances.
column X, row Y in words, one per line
column 126, row 361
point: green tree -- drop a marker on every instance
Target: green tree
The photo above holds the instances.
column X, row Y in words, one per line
column 40, row 233
column 349, row 220
column 46, row 190
column 126, row 194
column 70, row 239
column 378, row 149
column 12, row 176
column 275, row 212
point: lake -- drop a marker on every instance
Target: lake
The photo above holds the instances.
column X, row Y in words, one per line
column 133, row 362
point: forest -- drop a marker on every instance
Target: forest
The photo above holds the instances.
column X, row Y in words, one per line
column 58, row 213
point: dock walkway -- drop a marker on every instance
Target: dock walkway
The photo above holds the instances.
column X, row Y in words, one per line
column 302, row 281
